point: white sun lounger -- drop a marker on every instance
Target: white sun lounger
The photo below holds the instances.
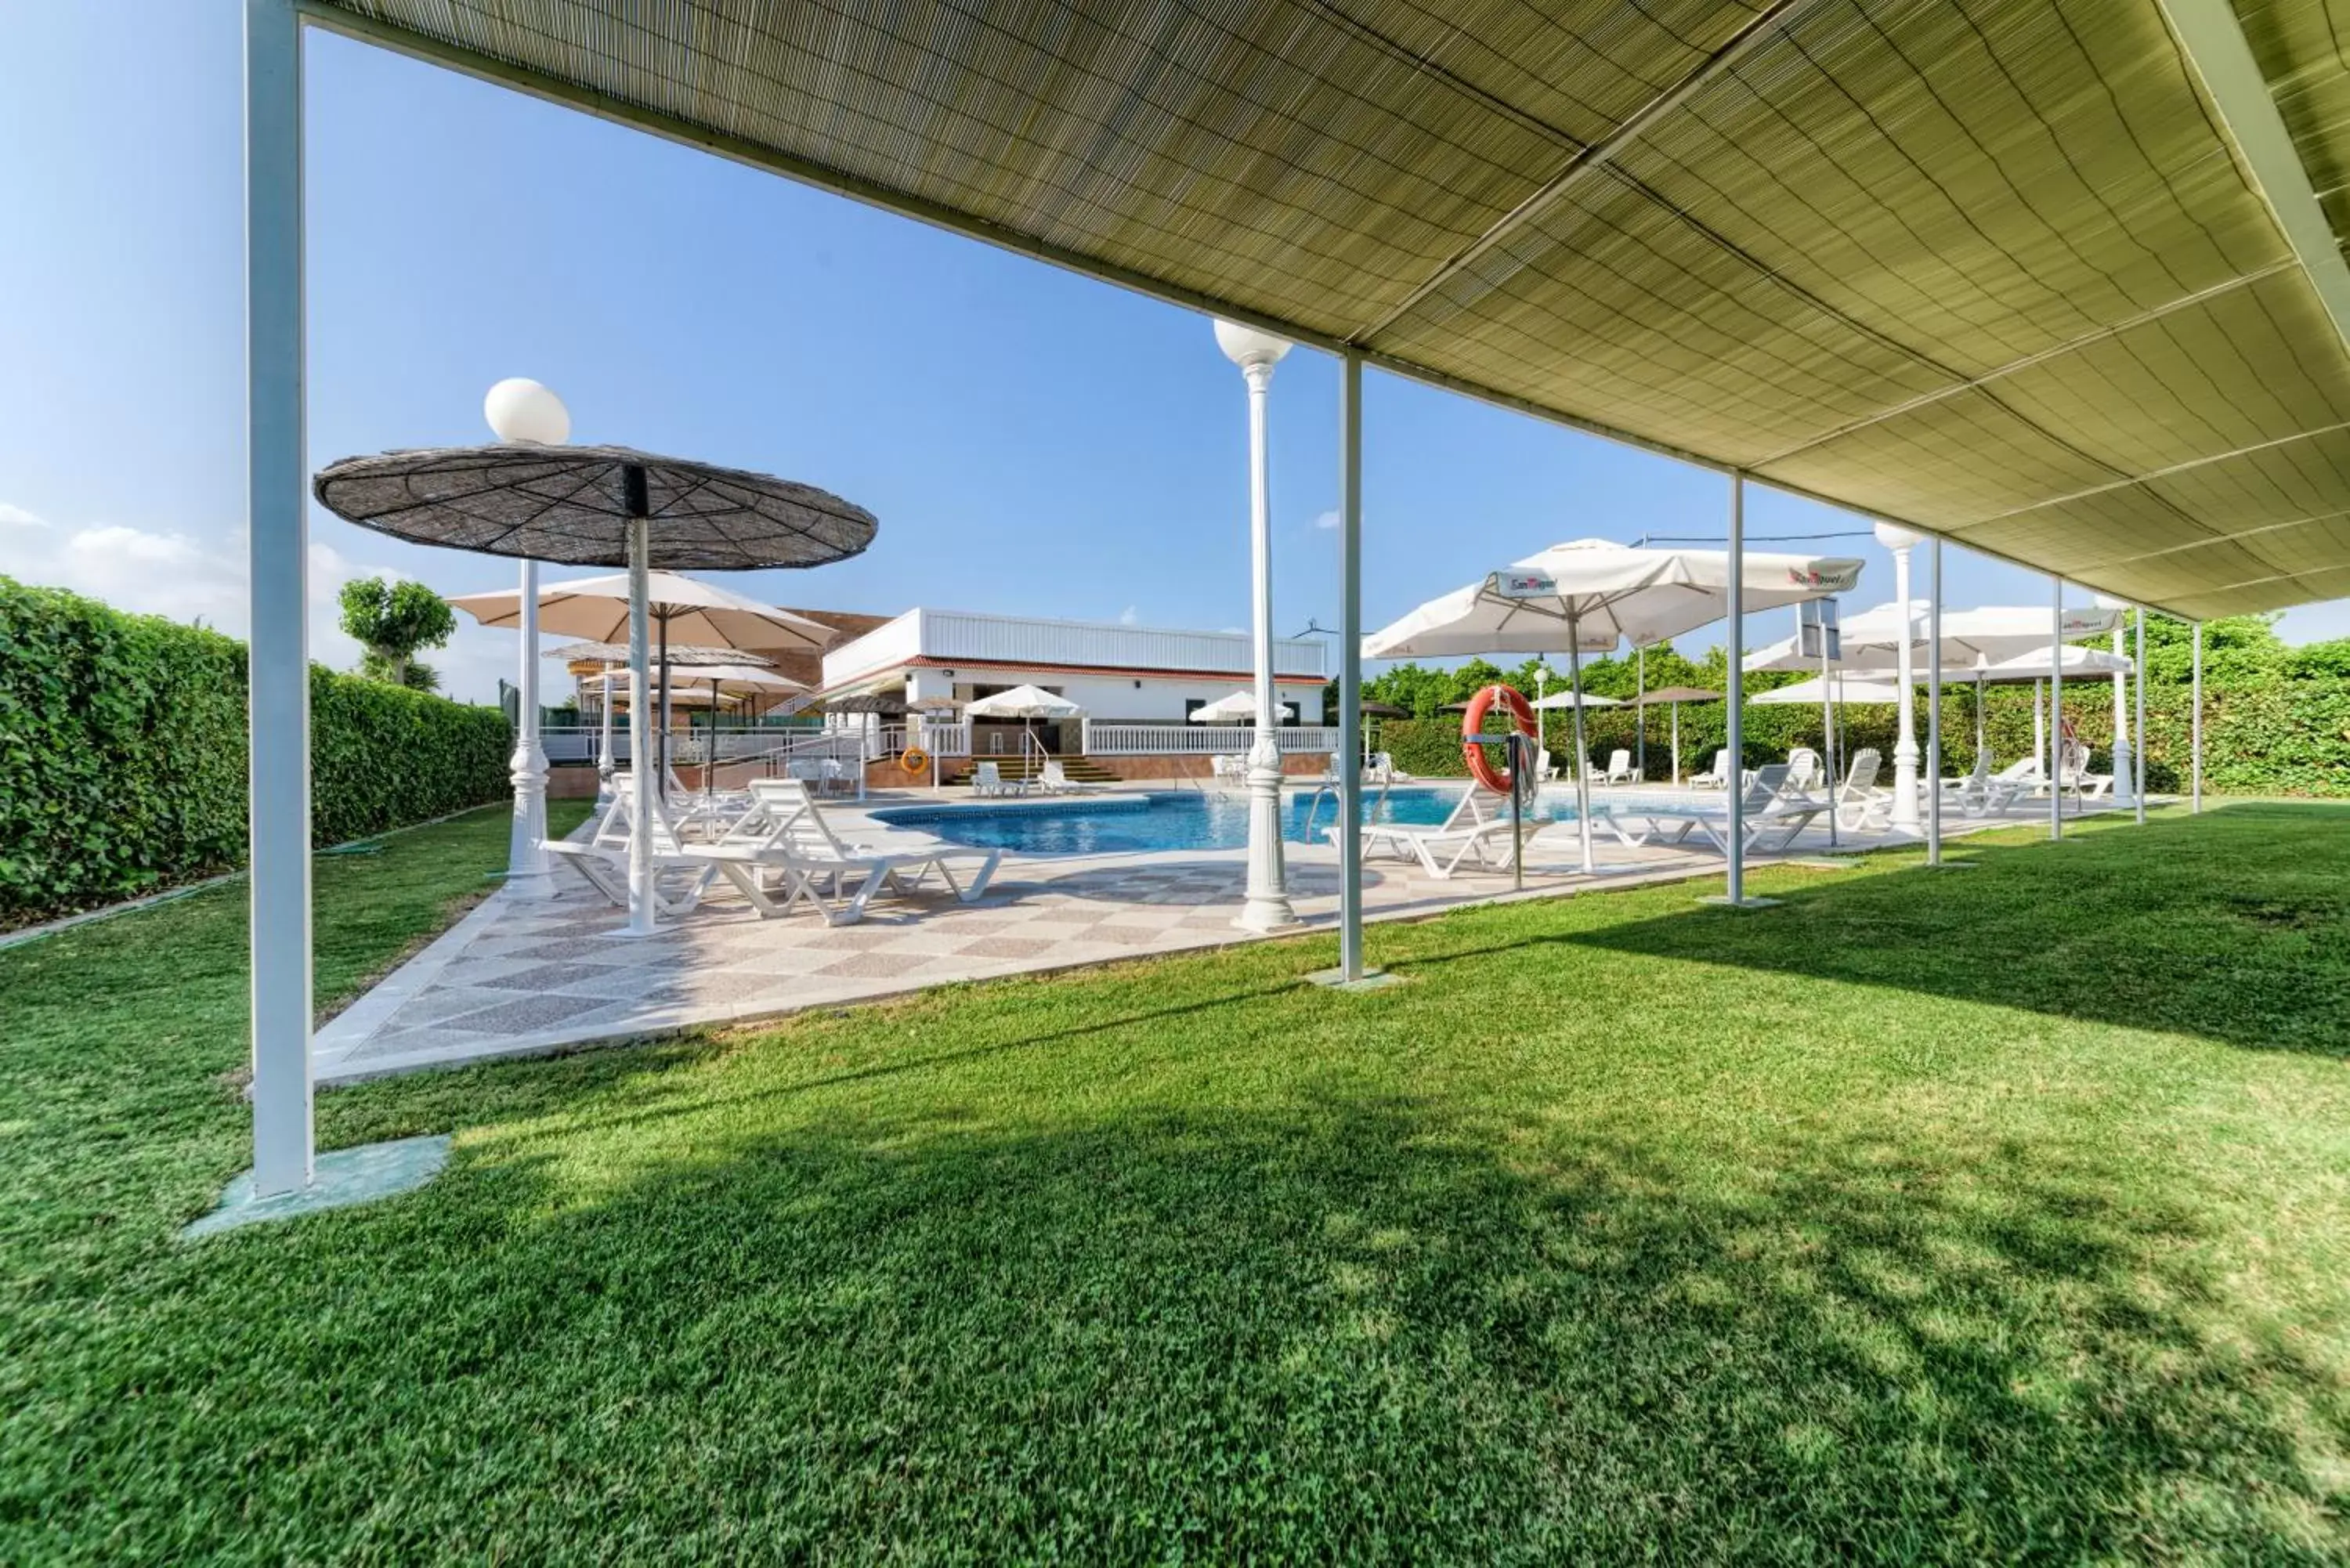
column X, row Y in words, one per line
column 1619, row 768
column 1054, row 779
column 782, row 853
column 1860, row 806
column 987, row 779
column 1772, row 814
column 1478, row 829
column 602, row 857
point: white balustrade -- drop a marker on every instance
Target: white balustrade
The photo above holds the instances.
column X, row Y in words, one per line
column 1114, row 739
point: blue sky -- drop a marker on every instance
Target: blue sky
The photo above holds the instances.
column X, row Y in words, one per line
column 1033, row 442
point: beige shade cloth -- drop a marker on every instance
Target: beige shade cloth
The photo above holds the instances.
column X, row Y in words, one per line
column 1999, row 268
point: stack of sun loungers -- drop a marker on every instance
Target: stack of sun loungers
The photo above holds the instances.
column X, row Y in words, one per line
column 782, row 853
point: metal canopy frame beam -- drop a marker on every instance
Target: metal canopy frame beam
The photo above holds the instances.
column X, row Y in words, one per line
column 2213, row 41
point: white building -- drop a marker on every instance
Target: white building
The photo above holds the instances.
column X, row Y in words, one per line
column 1117, row 674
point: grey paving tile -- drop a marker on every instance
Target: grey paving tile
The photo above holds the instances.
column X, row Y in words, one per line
column 525, row 1013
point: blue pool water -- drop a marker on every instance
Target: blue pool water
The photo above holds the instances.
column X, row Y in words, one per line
column 1069, row 825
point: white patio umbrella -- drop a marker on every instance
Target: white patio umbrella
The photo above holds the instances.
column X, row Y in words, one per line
column 1834, row 688
column 1861, row 682
column 714, row 686
column 1239, row 705
column 1989, row 634
column 1589, row 595
column 1872, row 640
column 1024, row 702
column 678, row 607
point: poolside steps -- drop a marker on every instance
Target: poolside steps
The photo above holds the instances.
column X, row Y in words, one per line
column 1079, row 769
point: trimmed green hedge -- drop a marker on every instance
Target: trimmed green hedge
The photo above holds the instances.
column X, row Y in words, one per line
column 2276, row 738
column 122, row 753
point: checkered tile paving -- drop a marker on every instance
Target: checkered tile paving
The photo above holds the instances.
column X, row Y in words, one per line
column 518, row 977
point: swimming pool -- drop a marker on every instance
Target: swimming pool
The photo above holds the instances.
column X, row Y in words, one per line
column 1160, row 820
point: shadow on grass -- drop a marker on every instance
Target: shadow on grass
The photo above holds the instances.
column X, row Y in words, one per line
column 2222, row 926
column 1341, row 1327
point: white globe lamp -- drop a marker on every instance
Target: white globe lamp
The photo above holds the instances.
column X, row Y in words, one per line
column 521, row 411
column 1248, row 348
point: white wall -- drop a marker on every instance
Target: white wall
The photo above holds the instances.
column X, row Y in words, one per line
column 1139, row 699
column 951, row 635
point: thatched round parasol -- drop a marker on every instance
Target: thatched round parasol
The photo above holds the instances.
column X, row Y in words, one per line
column 601, row 507
column 574, row 503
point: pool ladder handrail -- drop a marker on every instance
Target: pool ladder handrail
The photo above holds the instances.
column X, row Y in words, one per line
column 1328, row 789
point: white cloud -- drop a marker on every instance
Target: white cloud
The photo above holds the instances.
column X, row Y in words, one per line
column 189, row 579
column 1128, row 616
column 1329, row 519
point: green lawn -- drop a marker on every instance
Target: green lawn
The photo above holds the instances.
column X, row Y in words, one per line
column 2002, row 1214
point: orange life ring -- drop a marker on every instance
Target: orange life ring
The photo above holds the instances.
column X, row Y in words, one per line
column 1522, row 719
column 913, row 760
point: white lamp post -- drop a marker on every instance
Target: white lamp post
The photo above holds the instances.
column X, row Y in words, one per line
column 1901, row 540
column 2124, row 789
column 1267, row 907
column 521, row 410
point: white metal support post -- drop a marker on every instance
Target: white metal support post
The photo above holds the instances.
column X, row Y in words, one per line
column 1734, row 895
column 1934, row 710
column 643, row 799
column 2139, row 676
column 2056, row 780
column 527, row 873
column 1736, row 783
column 278, row 663
column 1350, row 667
column 2195, row 728
column 2125, row 748
column 1904, row 817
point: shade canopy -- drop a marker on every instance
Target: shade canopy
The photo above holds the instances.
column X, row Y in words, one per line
column 1872, row 640
column 2056, row 279
column 691, row 611
column 679, row 653
column 1606, row 592
column 1570, row 699
column 1024, row 702
column 1233, row 706
column 572, row 504
column 1383, row 710
column 1676, row 694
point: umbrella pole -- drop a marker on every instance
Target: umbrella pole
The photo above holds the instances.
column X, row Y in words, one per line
column 642, row 923
column 663, row 783
column 604, row 736
column 1582, row 763
column 710, row 753
column 1677, row 745
column 1980, row 742
column 1640, row 714
column 1827, row 731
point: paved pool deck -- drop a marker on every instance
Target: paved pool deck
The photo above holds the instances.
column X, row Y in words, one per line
column 518, row 976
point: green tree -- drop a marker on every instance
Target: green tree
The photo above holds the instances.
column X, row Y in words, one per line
column 392, row 620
